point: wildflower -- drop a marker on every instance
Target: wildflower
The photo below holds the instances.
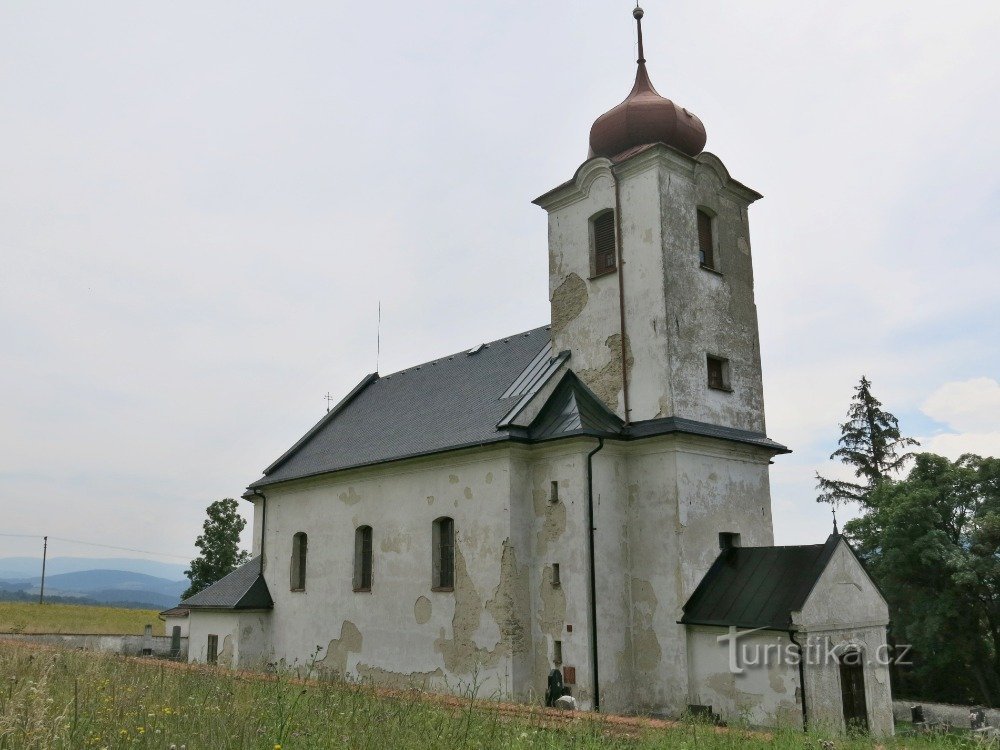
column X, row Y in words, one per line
column 277, row 746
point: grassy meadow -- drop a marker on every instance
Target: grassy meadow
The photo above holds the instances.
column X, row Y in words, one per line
column 31, row 617
column 59, row 700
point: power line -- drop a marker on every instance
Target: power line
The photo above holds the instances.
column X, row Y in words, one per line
column 95, row 544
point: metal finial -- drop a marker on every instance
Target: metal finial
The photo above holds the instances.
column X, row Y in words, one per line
column 637, row 15
column 833, row 510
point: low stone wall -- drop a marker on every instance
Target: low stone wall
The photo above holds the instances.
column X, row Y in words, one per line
column 129, row 645
column 943, row 713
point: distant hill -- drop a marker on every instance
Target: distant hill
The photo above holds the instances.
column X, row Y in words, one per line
column 102, row 586
column 30, row 567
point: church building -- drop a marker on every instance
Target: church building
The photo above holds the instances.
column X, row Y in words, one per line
column 585, row 504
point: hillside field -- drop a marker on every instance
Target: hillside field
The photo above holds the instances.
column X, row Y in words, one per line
column 31, row 617
column 56, row 700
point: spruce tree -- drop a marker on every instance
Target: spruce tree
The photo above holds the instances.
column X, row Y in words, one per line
column 871, row 443
column 219, row 544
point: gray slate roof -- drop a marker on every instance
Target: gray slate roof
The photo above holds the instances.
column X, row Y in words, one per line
column 244, row 588
column 467, row 399
column 758, row 587
column 449, row 403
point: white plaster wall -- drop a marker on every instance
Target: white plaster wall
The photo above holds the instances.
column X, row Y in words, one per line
column 556, row 534
column 682, row 491
column 846, row 610
column 720, row 487
column 764, row 688
column 676, row 312
column 401, row 632
column 170, row 622
column 710, row 312
column 242, row 637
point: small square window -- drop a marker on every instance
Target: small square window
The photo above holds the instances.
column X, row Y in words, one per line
column 718, row 373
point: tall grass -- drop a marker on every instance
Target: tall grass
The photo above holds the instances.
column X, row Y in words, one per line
column 51, row 699
column 30, row 617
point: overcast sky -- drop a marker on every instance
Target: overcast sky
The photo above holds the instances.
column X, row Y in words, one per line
column 201, row 205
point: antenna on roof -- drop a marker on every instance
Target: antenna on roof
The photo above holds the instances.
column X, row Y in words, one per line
column 329, row 400
column 378, row 336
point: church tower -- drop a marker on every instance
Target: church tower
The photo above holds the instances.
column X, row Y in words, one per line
column 650, row 273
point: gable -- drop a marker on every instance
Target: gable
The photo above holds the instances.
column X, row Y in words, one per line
column 844, row 595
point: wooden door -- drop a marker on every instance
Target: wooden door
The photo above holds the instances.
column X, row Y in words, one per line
column 852, row 689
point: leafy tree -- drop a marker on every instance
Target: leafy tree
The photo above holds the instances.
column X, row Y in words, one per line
column 932, row 541
column 870, row 442
column 219, row 544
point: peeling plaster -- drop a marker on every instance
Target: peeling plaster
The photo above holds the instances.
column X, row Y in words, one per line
column 552, row 618
column 568, row 301
column 350, row 497
column 395, row 542
column 350, row 642
column 422, row 610
column 554, row 524
column 509, row 607
column 644, row 641
column 606, row 381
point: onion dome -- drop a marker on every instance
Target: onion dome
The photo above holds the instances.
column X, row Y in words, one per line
column 646, row 117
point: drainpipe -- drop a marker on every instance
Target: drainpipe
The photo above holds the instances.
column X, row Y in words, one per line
column 593, row 573
column 621, row 292
column 802, row 680
column 263, row 525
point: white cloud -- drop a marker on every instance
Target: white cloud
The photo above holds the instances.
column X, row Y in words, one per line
column 971, row 408
column 953, row 445
column 966, row 405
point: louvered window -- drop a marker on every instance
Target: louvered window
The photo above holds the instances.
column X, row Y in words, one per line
column 363, row 558
column 706, row 243
column 604, row 243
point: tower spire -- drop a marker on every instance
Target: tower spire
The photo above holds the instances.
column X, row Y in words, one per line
column 637, row 15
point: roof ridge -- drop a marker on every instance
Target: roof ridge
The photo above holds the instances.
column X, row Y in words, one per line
column 467, row 350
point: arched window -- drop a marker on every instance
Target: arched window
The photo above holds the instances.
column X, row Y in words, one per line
column 706, row 239
column 603, row 231
column 363, row 558
column 443, row 576
column 300, row 543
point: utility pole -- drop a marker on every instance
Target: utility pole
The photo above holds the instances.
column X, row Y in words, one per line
column 45, row 554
